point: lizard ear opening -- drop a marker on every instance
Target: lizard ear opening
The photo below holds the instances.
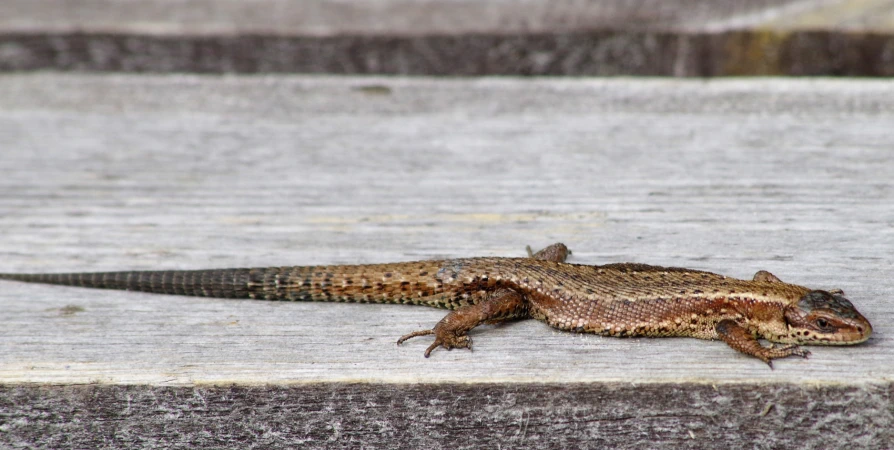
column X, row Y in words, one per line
column 763, row 275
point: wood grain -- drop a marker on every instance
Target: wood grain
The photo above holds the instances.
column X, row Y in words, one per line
column 452, row 416
column 421, row 17
column 110, row 172
column 694, row 38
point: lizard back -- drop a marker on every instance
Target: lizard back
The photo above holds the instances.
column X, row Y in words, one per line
column 440, row 283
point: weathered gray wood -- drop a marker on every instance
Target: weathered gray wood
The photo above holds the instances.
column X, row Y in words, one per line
column 141, row 172
column 461, row 416
column 465, row 37
column 421, row 17
column 332, row 18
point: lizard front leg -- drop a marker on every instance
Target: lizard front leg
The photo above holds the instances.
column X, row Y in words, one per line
column 740, row 339
column 450, row 332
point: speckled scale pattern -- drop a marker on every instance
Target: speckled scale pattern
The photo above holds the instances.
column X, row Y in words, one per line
column 616, row 299
column 419, row 282
column 406, row 283
column 633, row 299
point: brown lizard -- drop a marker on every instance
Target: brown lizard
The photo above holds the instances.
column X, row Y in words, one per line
column 612, row 300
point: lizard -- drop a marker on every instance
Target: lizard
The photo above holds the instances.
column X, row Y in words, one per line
column 621, row 299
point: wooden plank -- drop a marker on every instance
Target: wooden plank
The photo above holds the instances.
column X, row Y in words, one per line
column 462, row 416
column 110, row 172
column 106, row 173
column 465, row 37
column 422, row 17
column 418, row 17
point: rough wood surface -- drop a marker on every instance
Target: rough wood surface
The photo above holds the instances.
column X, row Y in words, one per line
column 421, row 17
column 458, row 37
column 461, row 416
column 153, row 172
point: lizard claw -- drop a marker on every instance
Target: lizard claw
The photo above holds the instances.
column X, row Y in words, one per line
column 792, row 350
column 782, row 352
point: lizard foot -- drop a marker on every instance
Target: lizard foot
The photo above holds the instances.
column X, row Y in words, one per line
column 443, row 338
column 450, row 332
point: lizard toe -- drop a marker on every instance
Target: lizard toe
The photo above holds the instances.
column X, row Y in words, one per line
column 405, row 337
column 798, row 351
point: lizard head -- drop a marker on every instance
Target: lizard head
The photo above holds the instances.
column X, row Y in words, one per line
column 826, row 318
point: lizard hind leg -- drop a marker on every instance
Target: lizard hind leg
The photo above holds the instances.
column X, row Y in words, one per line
column 557, row 252
column 763, row 275
column 451, row 331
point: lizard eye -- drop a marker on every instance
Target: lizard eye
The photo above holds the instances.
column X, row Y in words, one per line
column 822, row 323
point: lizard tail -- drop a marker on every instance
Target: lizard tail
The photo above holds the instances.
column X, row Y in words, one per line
column 411, row 282
column 220, row 283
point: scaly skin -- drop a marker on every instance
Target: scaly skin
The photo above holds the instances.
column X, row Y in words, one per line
column 612, row 300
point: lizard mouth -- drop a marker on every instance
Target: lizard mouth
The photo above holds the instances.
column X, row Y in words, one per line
column 851, row 332
column 859, row 333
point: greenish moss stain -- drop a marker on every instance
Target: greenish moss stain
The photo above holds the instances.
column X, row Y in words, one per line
column 756, row 52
